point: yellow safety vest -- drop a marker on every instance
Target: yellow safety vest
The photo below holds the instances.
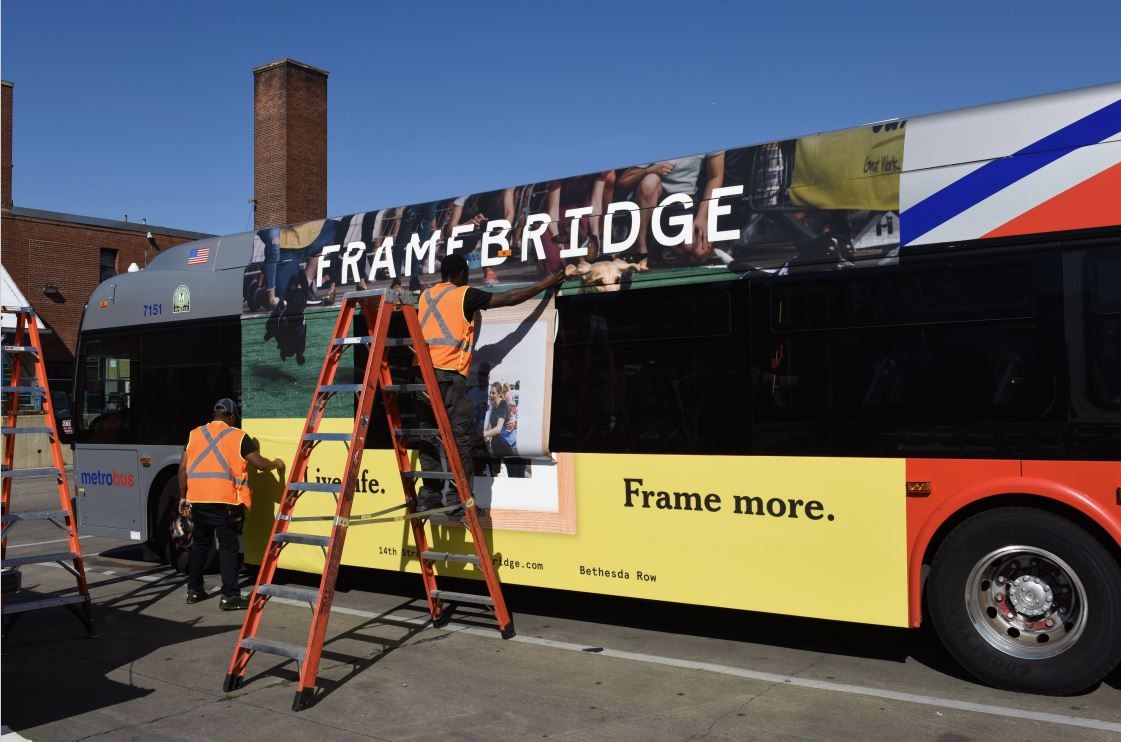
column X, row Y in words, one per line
column 216, row 472
column 450, row 335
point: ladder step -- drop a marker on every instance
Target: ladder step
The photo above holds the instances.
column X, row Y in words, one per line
column 16, row 309
column 341, row 388
column 398, row 388
column 315, row 487
column 35, row 515
column 405, row 432
column 305, row 594
column 24, row 431
column 60, row 556
column 446, row 556
column 30, row 349
column 462, row 597
column 46, row 471
column 36, row 390
column 34, row 605
column 360, row 340
column 428, row 474
column 345, row 437
column 306, row 539
column 253, row 644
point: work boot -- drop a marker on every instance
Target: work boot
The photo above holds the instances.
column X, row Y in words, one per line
column 194, row 596
column 237, row 603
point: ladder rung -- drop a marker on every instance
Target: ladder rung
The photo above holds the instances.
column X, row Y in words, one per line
column 306, row 539
column 462, row 597
column 24, row 431
column 402, row 432
column 315, row 487
column 327, row 437
column 46, row 471
column 60, row 556
column 16, row 309
column 428, row 474
column 35, row 515
column 291, row 651
column 341, row 388
column 398, row 388
column 446, row 556
column 306, row 594
column 360, row 340
column 398, row 342
column 31, row 349
column 34, row 605
column 36, row 390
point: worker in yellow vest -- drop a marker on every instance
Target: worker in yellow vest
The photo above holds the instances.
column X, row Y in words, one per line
column 447, row 319
column 214, row 493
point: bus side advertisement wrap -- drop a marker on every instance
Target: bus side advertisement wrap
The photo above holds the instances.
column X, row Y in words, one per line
column 823, row 538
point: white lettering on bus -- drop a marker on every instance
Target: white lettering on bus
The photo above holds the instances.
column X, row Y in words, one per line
column 610, row 247
column 454, row 243
column 684, row 234
column 535, row 226
column 354, row 251
column 497, row 233
column 420, row 251
column 717, row 210
column 574, row 250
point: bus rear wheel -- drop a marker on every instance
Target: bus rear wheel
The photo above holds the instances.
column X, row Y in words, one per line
column 1026, row 600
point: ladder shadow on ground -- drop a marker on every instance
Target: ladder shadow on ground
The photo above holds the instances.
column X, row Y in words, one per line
column 288, row 670
column 52, row 671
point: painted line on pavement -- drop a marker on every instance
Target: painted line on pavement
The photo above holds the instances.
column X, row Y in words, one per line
column 765, row 677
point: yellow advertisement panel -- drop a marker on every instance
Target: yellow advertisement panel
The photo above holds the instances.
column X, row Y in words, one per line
column 815, row 537
column 851, row 169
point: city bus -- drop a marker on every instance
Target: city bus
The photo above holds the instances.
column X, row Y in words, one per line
column 869, row 375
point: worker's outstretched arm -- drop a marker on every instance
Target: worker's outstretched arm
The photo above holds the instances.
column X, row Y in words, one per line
column 517, row 296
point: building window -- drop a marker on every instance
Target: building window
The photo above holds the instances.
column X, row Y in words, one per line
column 108, row 263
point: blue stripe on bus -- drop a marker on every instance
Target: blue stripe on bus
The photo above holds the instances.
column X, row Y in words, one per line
column 994, row 176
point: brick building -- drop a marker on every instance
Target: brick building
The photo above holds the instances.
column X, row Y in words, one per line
column 290, row 185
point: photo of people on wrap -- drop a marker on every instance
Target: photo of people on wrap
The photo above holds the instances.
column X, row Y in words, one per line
column 828, row 200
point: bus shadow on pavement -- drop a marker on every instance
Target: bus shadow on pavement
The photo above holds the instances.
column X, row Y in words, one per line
column 52, row 671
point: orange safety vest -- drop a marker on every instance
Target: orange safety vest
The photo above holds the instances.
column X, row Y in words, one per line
column 216, row 472
column 450, row 336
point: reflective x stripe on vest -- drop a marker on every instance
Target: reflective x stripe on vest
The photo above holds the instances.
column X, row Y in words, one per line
column 212, row 448
column 448, row 333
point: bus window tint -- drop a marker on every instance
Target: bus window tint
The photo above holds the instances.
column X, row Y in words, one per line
column 918, row 361
column 651, row 372
column 152, row 385
column 1103, row 330
column 106, row 382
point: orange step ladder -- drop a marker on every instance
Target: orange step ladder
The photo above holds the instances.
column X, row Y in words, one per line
column 376, row 376
column 26, row 351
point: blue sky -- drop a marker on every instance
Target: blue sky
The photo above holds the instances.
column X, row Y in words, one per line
column 145, row 108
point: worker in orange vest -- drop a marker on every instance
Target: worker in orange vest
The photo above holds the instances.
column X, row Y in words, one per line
column 447, row 320
column 214, row 493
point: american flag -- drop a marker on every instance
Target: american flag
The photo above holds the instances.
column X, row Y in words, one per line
column 198, row 255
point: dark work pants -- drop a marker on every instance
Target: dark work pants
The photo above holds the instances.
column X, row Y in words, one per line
column 224, row 521
column 468, row 439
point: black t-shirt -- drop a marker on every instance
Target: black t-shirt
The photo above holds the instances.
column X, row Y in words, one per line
column 248, row 446
column 474, row 301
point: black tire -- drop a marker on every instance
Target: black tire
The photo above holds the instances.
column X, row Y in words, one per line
column 997, row 581
column 172, row 550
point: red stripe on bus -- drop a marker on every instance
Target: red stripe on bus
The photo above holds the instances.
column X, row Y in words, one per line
column 1092, row 203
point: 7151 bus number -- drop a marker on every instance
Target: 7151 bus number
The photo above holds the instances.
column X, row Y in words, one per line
column 153, row 310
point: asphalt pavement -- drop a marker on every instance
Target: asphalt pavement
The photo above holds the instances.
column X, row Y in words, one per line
column 581, row 668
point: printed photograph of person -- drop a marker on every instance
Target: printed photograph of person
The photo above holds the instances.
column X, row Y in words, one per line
column 647, row 185
column 500, row 430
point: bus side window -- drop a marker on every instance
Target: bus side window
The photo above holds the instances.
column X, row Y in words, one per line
column 1102, row 320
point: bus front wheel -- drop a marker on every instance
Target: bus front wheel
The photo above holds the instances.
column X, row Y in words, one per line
column 1026, row 600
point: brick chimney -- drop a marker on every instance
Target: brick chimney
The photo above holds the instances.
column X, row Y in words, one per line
column 6, row 146
column 289, row 143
